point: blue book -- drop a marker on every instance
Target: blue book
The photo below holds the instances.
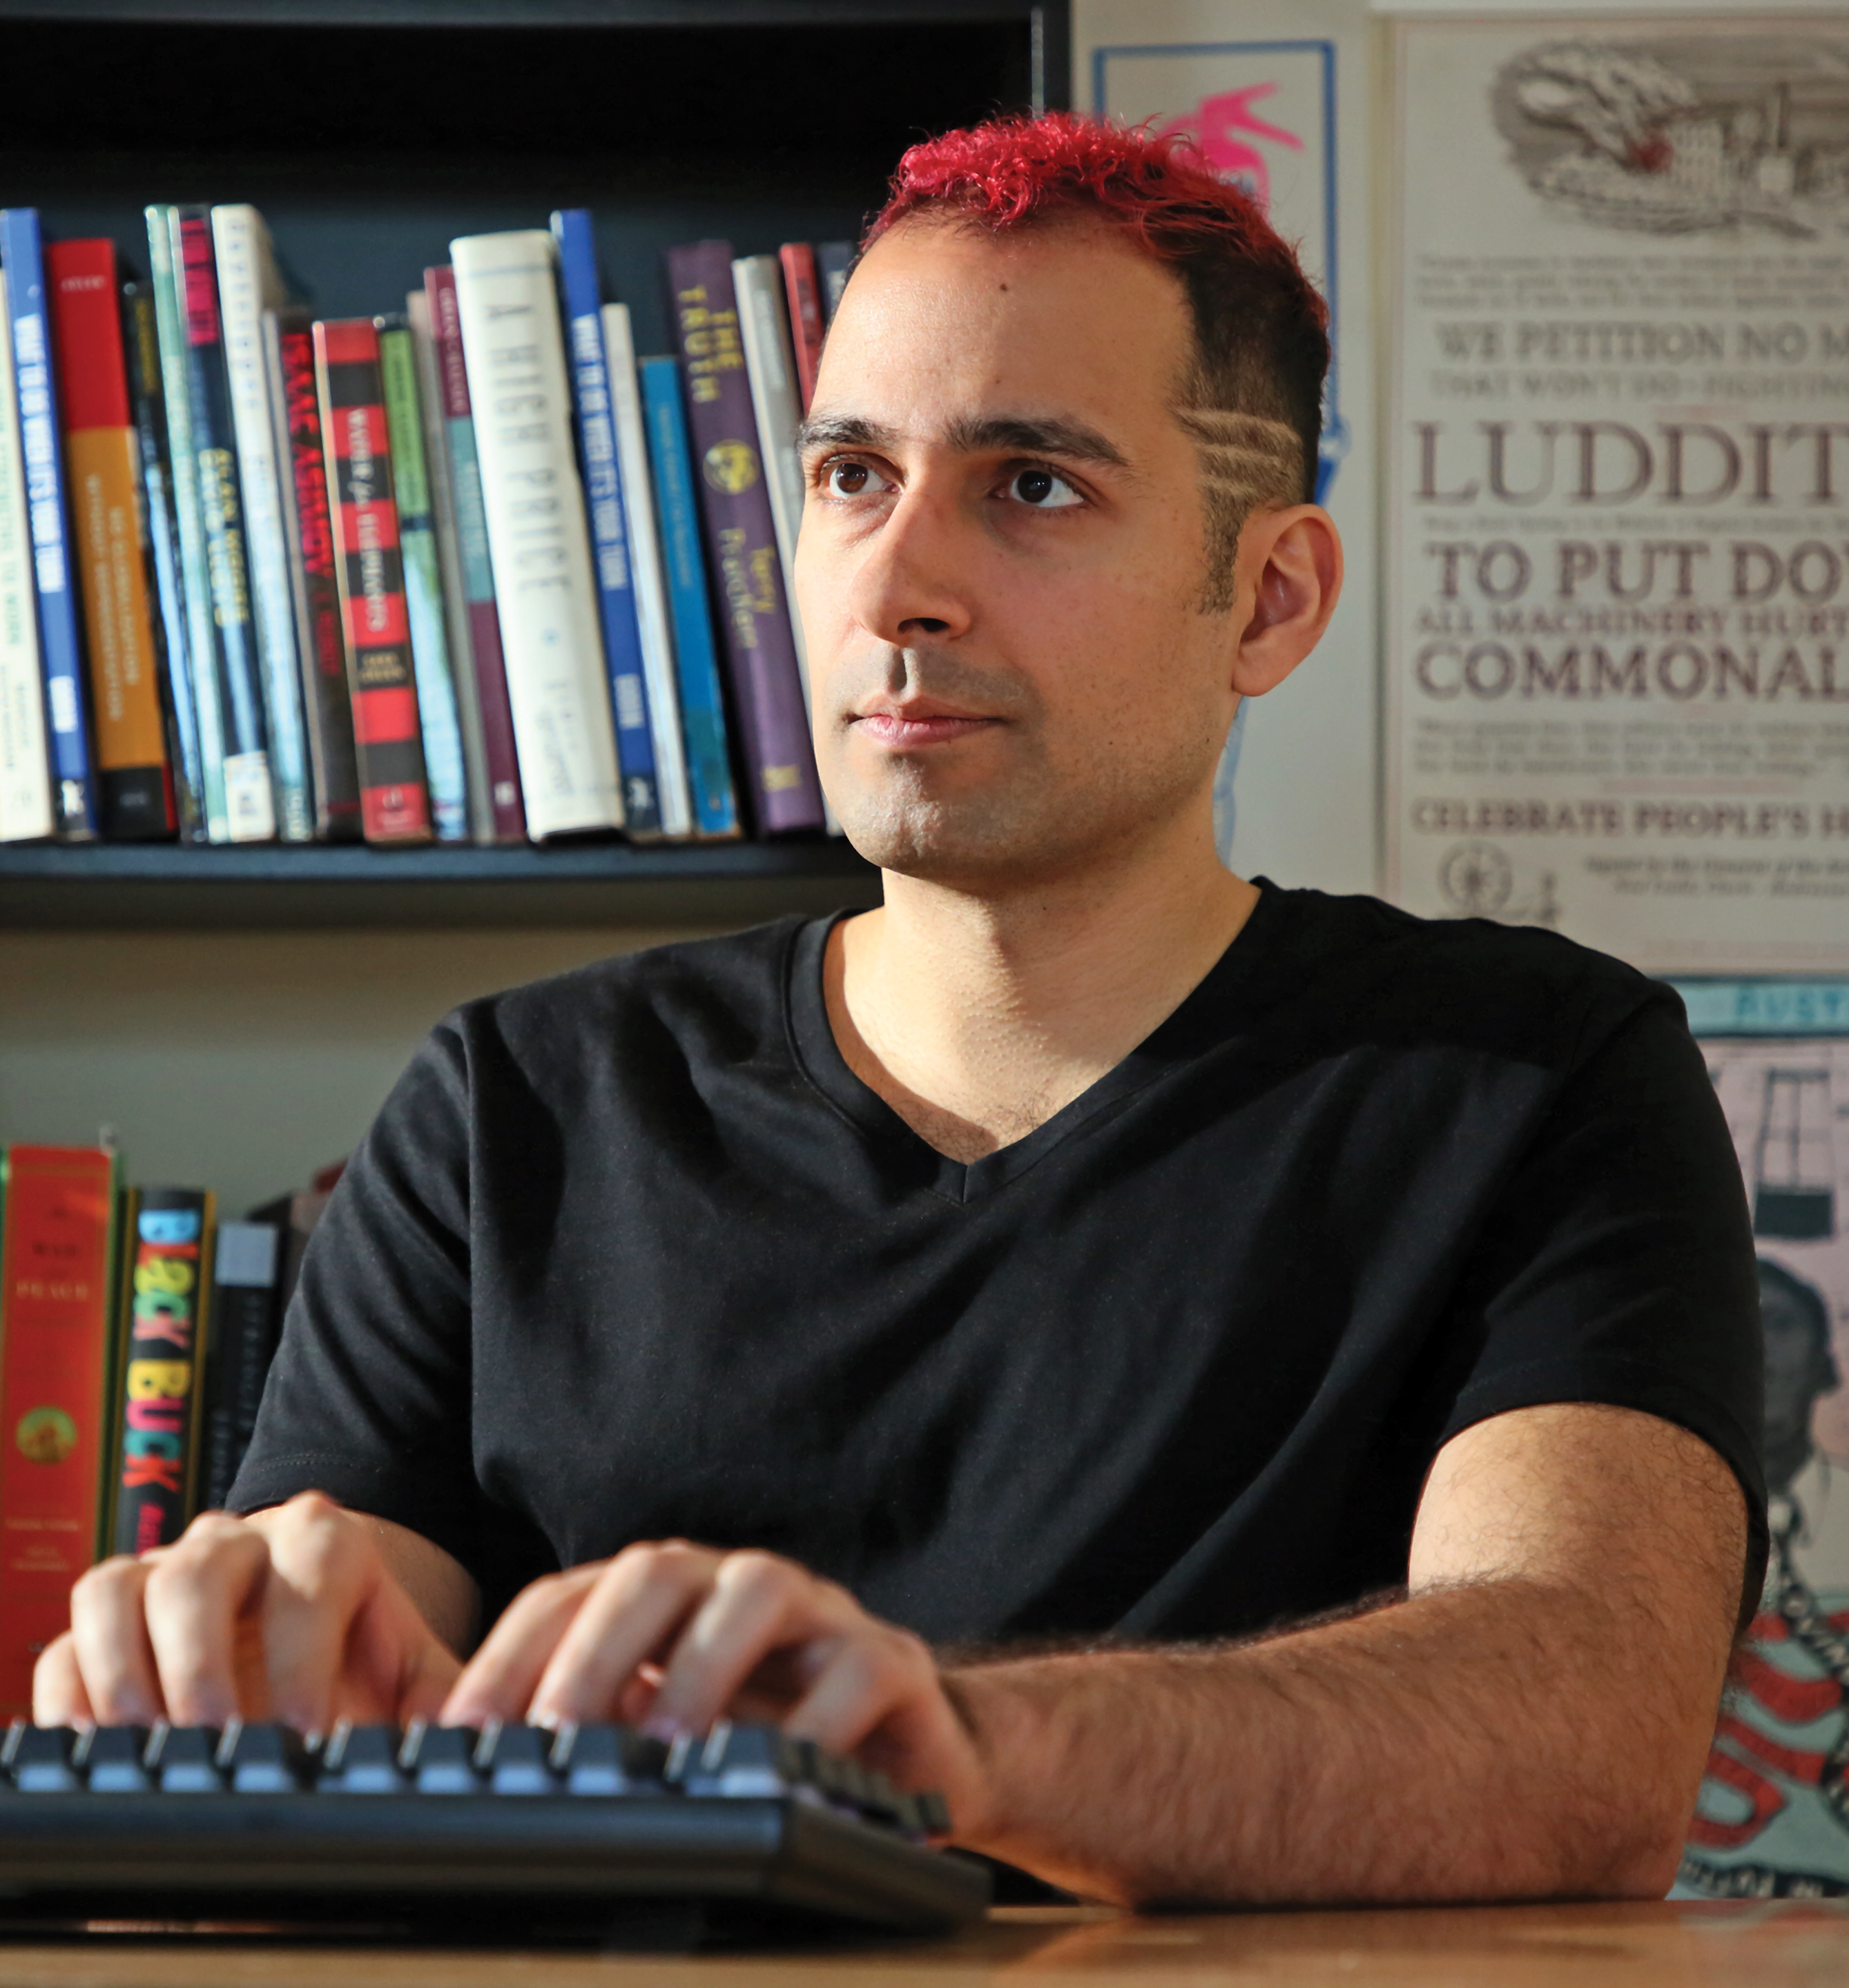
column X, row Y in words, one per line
column 60, row 656
column 609, row 541
column 696, row 658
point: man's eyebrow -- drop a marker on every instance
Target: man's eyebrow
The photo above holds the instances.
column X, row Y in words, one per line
column 1011, row 435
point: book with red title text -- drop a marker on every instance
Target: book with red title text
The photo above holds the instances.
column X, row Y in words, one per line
column 802, row 296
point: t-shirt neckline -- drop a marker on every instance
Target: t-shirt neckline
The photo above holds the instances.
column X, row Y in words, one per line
column 1198, row 1022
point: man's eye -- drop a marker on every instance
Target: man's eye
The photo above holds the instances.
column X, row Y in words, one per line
column 851, row 479
column 1042, row 490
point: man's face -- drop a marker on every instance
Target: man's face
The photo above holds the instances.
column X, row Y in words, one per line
column 1001, row 556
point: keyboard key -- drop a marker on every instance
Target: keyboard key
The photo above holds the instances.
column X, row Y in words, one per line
column 610, row 1761
column 115, row 1761
column 363, row 1760
column 185, row 1759
column 517, row 1759
column 442, row 1759
column 264, row 1759
column 42, row 1763
column 746, row 1760
column 932, row 1813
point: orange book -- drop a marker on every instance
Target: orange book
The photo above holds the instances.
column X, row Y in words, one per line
column 102, row 457
column 57, row 1233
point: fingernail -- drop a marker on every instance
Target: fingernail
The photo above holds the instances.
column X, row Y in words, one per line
column 657, row 1725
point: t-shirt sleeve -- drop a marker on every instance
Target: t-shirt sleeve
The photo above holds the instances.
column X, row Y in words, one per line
column 1618, row 1267
column 368, row 1398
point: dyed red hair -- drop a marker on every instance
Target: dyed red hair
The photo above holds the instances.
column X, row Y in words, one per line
column 1261, row 330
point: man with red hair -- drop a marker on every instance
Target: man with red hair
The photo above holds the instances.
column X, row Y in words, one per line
column 1252, row 1395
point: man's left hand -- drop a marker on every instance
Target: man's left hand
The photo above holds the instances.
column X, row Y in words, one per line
column 672, row 1636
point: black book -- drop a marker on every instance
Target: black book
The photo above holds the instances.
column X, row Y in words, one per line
column 247, row 1319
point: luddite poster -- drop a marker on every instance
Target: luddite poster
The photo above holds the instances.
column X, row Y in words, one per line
column 1276, row 95
column 1773, row 1817
column 1618, row 618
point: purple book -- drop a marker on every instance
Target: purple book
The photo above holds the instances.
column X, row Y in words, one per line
column 477, row 575
column 741, row 541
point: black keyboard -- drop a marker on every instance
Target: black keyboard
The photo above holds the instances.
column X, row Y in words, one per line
column 513, row 1831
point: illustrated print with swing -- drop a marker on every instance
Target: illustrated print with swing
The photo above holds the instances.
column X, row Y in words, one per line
column 1773, row 1820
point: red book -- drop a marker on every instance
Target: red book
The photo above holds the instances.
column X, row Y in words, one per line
column 394, row 802
column 56, row 1292
column 103, row 460
column 800, row 286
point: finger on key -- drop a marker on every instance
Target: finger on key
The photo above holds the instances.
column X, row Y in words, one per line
column 59, row 1698
column 760, row 1606
column 114, row 1657
column 499, row 1680
column 200, row 1590
column 324, row 1570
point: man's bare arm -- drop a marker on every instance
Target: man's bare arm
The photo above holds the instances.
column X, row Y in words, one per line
column 1531, row 1721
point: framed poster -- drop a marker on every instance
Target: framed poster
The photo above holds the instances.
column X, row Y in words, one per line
column 1277, row 98
column 1618, row 627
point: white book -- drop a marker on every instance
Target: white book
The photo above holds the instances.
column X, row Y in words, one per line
column 249, row 285
column 651, row 582
column 449, row 567
column 26, row 774
column 763, row 326
column 513, row 351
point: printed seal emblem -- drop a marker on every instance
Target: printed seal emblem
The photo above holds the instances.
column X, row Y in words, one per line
column 1476, row 878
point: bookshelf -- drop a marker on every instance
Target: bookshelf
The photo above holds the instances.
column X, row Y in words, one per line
column 371, row 132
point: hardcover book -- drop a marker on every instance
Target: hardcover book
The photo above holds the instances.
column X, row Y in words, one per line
column 204, row 662
column 26, row 813
column 246, row 1319
column 56, row 1235
column 249, row 285
column 475, row 569
column 833, row 261
column 161, row 548
column 103, row 465
column 760, row 646
column 802, row 294
column 437, row 713
column 609, row 532
column 652, row 613
column 60, row 654
column 249, row 798
column 395, row 804
column 513, row 348
column 308, row 532
column 160, row 1362
column 696, row 648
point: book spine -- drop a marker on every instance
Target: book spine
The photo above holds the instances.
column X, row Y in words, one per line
column 55, row 1288
column 61, row 656
column 134, row 787
column 308, row 532
column 248, row 284
column 160, row 559
column 475, row 568
column 26, row 810
column 249, row 798
column 245, row 1321
column 651, row 612
column 604, row 492
column 833, row 262
column 761, row 649
column 802, row 294
column 395, row 804
column 435, row 435
column 205, row 662
column 162, row 1338
column 514, row 352
column 441, row 722
column 696, row 648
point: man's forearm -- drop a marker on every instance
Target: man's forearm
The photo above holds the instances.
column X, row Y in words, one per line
column 1499, row 1740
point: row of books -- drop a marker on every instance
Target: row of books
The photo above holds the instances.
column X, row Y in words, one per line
column 469, row 572
column 136, row 1333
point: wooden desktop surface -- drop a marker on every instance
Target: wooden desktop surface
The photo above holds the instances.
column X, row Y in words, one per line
column 1786, row 1945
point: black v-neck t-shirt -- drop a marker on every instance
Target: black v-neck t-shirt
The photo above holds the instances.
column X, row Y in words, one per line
column 631, row 1253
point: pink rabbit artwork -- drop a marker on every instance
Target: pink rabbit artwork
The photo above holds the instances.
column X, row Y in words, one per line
column 1214, row 124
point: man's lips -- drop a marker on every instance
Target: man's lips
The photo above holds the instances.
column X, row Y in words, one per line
column 920, row 728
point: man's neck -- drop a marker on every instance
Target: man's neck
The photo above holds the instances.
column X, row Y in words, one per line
column 977, row 1017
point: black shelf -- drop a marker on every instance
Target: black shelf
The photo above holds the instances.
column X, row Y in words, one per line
column 122, row 886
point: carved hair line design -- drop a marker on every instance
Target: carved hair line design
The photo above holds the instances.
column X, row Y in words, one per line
column 1248, row 463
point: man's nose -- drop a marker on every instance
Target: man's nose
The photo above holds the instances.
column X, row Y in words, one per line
column 912, row 584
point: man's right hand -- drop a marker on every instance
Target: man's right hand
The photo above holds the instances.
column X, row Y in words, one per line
column 302, row 1613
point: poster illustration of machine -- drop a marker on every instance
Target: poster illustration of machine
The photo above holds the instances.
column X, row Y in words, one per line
column 1275, row 95
column 1773, row 1817
column 1618, row 640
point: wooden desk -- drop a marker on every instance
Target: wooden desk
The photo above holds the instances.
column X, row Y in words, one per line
column 1707, row 1945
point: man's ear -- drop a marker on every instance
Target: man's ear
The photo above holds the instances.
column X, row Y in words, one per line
column 1288, row 577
